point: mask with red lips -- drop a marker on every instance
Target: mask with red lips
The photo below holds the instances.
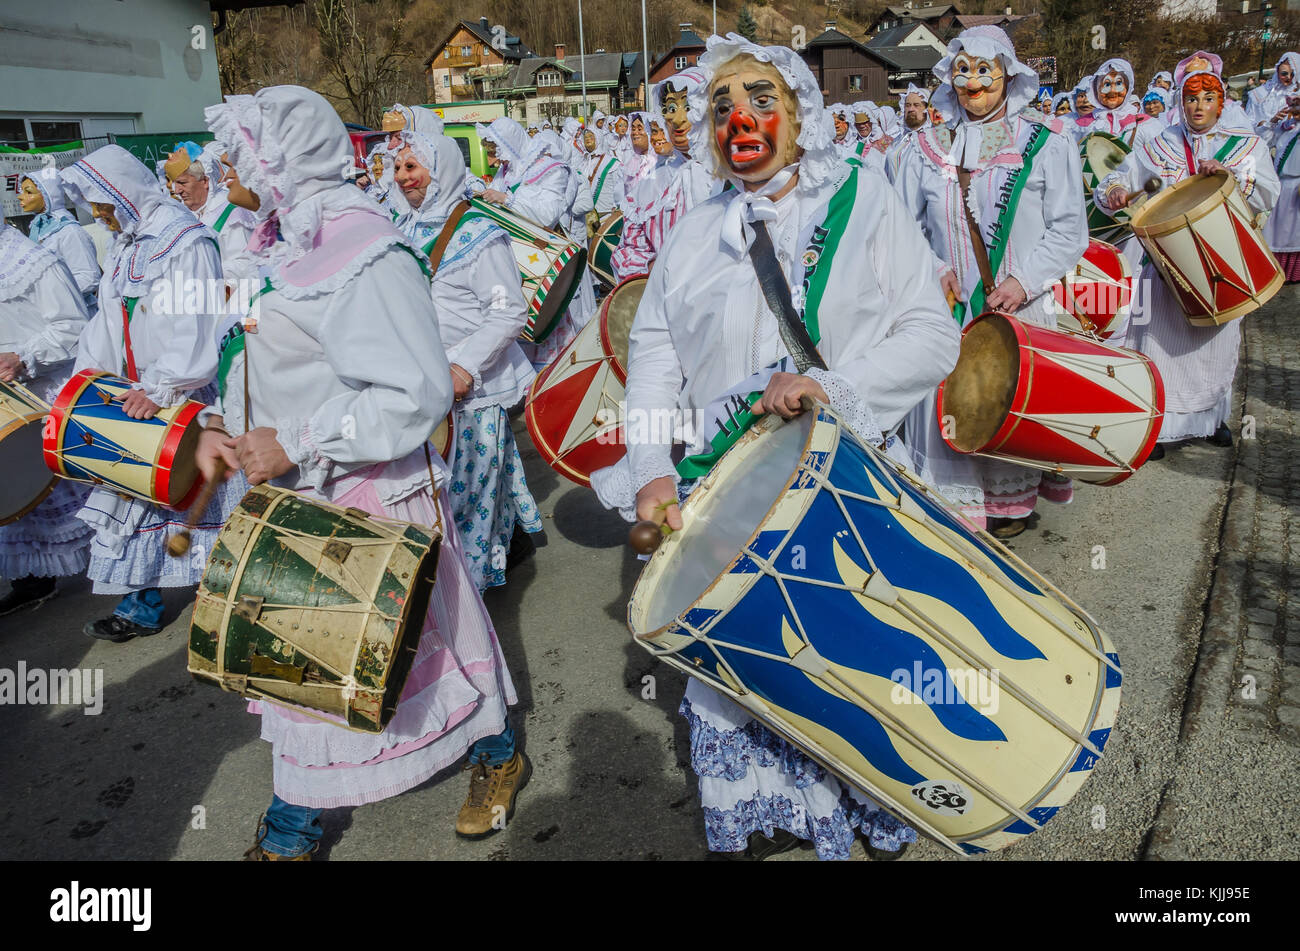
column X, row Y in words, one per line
column 754, row 121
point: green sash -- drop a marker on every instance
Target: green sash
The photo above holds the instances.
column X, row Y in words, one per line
column 233, row 343
column 1002, row 229
column 601, row 184
column 1227, row 148
column 821, row 253
column 1286, row 153
column 221, row 222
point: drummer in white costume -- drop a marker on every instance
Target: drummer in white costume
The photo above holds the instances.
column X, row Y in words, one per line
column 1268, row 104
column 340, row 409
column 603, row 171
column 703, row 328
column 678, row 185
column 42, row 313
column 1196, row 363
column 481, row 311
column 1282, row 230
column 1114, row 111
column 55, row 228
column 987, row 89
column 172, row 357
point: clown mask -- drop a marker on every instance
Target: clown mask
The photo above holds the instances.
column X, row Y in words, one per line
column 620, row 127
column 679, row 124
column 29, row 197
column 981, row 84
column 1082, row 104
column 659, row 142
column 640, row 142
column 754, row 124
column 1112, row 90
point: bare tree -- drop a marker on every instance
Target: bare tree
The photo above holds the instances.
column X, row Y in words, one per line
column 369, row 61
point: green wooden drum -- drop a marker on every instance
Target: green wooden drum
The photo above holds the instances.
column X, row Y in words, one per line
column 1101, row 153
column 313, row 605
column 550, row 266
column 603, row 243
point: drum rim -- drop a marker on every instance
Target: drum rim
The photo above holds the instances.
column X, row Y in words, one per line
column 15, row 425
column 606, row 342
column 576, row 261
column 1184, row 220
column 614, row 217
column 1009, row 414
column 177, row 433
column 1100, row 332
column 1098, row 637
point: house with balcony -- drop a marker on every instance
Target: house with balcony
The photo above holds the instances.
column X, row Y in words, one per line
column 685, row 52
column 846, row 70
column 475, row 61
column 551, row 87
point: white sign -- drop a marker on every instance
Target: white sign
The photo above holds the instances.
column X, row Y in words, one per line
column 15, row 166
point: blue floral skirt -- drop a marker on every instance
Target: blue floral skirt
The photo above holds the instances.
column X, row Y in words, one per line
column 488, row 494
column 752, row 780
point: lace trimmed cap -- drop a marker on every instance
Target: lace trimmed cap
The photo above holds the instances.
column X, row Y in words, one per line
column 987, row 42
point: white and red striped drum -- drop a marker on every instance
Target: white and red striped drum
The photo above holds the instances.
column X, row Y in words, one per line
column 1051, row 400
column 1095, row 297
column 1209, row 249
column 574, row 411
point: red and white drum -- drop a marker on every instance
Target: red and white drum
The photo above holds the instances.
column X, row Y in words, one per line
column 1209, row 249
column 575, row 406
column 1051, row 400
column 1095, row 297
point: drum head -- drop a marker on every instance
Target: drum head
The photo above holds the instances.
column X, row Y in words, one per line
column 616, row 321
column 978, row 392
column 725, row 517
column 184, row 482
column 1103, row 154
column 26, row 480
column 1178, row 200
column 561, row 292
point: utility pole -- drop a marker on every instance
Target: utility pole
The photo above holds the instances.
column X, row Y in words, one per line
column 645, row 57
column 1268, row 35
column 582, row 62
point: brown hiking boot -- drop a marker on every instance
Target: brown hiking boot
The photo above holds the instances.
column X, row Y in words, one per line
column 256, row 853
column 492, row 793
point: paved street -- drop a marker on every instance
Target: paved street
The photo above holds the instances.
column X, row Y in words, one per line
column 1194, row 593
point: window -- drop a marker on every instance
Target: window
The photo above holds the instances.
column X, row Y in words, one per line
column 855, row 82
column 446, row 54
column 680, row 63
column 446, row 80
column 548, row 79
column 466, row 51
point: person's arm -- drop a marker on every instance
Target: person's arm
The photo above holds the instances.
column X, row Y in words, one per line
column 1066, row 223
column 188, row 356
column 541, row 198
column 63, row 313
column 1109, row 195
column 77, row 250
column 1257, row 178
column 494, row 280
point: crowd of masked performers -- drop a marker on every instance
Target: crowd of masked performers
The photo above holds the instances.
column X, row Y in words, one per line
column 358, row 353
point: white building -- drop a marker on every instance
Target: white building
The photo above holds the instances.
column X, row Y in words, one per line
column 73, row 69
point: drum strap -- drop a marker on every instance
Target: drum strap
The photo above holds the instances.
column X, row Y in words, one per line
column 976, row 239
column 1223, row 153
column 777, row 292
column 128, row 364
column 444, row 236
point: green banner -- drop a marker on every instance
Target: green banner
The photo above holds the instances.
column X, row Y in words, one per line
column 151, row 148
column 65, row 147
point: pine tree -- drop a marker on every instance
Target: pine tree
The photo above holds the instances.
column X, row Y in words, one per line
column 746, row 25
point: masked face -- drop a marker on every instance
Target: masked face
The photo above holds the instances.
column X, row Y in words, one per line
column 600, row 123
column 589, row 141
column 192, row 191
column 1199, row 65
column 1063, row 108
column 1201, row 109
column 240, row 196
column 660, row 142
column 29, row 197
column 533, row 132
column 106, row 214
column 980, row 83
column 1154, row 108
column 411, row 177
column 490, row 150
column 862, row 122
column 640, row 142
column 1082, row 104
column 177, row 164
column 914, row 112
column 1285, row 74
column 841, row 127
column 1163, row 83
column 377, row 166
column 362, row 180
column 620, row 127
column 1112, row 90
column 753, row 115
column 679, row 124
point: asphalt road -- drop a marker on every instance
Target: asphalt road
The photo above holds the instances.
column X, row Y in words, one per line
column 174, row 769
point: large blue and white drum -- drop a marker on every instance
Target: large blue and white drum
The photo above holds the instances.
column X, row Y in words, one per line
column 828, row 592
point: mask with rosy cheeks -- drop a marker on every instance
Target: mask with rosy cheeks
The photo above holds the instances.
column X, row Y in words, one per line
column 589, row 141
column 29, row 197
column 239, row 195
column 754, row 124
column 620, row 127
column 1202, row 110
column 1112, row 90
column 841, row 128
column 1284, row 75
column 981, row 84
column 411, row 177
column 679, row 123
column 640, row 142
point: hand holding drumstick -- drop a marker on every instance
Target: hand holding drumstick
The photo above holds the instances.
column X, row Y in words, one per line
column 1117, row 196
column 216, row 460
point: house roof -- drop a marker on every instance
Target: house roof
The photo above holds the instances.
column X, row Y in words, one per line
column 833, row 37
column 515, row 48
column 908, row 58
column 932, row 12
column 687, row 41
column 895, row 35
column 600, row 68
column 968, row 20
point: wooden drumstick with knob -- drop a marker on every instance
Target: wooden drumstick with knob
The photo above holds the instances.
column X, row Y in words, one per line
column 1150, row 187
column 179, row 544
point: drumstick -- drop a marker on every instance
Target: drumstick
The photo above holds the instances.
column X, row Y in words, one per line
column 179, row 544
column 646, row 536
column 1150, row 187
